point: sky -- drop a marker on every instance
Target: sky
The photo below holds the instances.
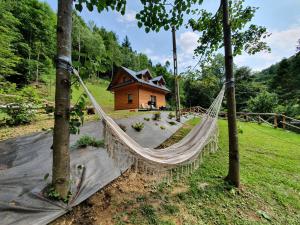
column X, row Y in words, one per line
column 281, row 18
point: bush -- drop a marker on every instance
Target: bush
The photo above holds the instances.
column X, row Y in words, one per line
column 162, row 127
column 156, row 116
column 138, row 126
column 264, row 102
column 146, row 119
column 172, row 123
column 86, row 140
column 19, row 113
column 171, row 115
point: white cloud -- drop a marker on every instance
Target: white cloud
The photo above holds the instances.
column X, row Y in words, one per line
column 187, row 43
column 283, row 44
column 129, row 17
column 155, row 58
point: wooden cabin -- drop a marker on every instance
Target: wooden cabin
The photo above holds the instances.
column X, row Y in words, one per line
column 138, row 90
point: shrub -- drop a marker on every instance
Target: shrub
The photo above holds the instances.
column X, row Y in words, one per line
column 162, row 127
column 171, row 115
column 86, row 140
column 156, row 116
column 172, row 123
column 146, row 119
column 19, row 113
column 149, row 212
column 138, row 126
column 264, row 102
column 170, row 209
column 123, row 127
column 21, row 110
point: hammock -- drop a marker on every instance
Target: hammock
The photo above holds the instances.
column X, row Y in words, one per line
column 184, row 156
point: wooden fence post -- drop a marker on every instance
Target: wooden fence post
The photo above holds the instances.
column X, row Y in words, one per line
column 275, row 121
column 283, row 121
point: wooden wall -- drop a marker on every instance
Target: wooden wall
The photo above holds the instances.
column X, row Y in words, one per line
column 145, row 96
column 121, row 97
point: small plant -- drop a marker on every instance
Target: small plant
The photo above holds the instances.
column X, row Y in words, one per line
column 123, row 127
column 156, row 116
column 138, row 126
column 170, row 209
column 149, row 212
column 52, row 194
column 162, row 127
column 85, row 141
column 172, row 123
column 171, row 115
column 77, row 115
column 146, row 119
column 141, row 198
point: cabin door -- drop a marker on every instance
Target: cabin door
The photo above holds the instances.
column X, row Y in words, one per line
column 153, row 100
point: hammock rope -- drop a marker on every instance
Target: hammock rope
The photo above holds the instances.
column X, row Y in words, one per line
column 182, row 157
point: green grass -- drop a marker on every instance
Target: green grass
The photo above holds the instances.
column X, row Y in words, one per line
column 98, row 90
column 270, row 178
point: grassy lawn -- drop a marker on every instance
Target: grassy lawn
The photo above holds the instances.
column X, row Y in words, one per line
column 104, row 98
column 270, row 192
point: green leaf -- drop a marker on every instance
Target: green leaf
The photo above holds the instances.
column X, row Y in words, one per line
column 90, row 6
column 78, row 7
column 140, row 24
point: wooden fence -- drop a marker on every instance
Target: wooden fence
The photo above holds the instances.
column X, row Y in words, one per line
column 272, row 119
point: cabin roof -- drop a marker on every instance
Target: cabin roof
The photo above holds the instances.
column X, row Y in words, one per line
column 150, row 82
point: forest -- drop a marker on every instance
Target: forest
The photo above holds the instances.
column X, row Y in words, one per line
column 28, row 48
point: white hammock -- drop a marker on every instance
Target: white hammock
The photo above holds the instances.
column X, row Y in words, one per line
column 184, row 155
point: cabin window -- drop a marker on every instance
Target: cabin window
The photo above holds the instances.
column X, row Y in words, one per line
column 129, row 98
column 124, row 79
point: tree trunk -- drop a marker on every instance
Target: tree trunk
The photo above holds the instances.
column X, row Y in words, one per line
column 233, row 176
column 61, row 135
column 177, row 98
column 79, row 50
column 37, row 68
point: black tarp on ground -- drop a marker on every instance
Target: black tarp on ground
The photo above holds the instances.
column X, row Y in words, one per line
column 25, row 161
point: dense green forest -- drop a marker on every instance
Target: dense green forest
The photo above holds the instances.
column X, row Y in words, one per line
column 27, row 61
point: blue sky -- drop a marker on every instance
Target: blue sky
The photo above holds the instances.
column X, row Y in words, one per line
column 281, row 18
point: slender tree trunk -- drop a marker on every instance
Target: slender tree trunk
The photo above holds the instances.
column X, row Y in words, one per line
column 234, row 165
column 37, row 68
column 79, row 50
column 61, row 136
column 177, row 98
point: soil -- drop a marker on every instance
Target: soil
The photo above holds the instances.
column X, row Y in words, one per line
column 108, row 202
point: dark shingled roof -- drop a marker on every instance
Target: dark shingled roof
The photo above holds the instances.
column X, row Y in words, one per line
column 135, row 76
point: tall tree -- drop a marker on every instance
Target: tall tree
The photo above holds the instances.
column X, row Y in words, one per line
column 234, row 158
column 226, row 28
column 126, row 43
column 61, row 134
column 9, row 35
